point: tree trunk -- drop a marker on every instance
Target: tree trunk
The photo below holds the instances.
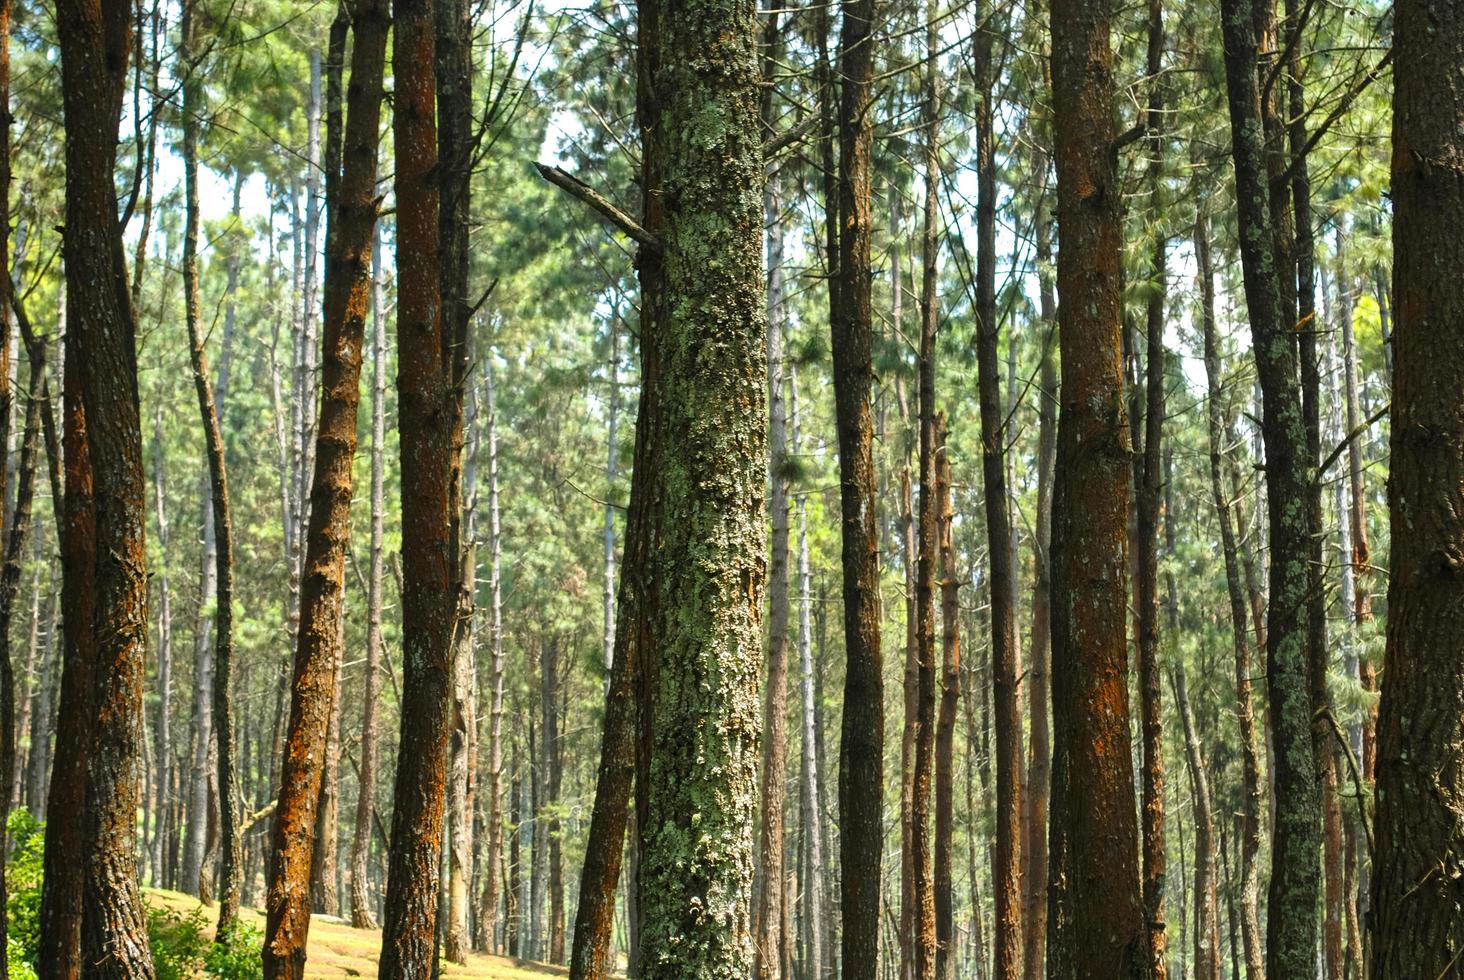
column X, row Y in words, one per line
column 700, row 74
column 1250, row 833
column 927, row 519
column 221, row 548
column 494, row 861
column 768, row 898
column 317, row 655
column 1005, row 658
column 430, row 424
column 1294, row 889
column 861, row 746
column 102, row 363
column 1039, row 769
column 1096, row 919
column 1149, row 505
column 1417, row 928
column 946, row 951
column 1207, row 939
column 361, row 917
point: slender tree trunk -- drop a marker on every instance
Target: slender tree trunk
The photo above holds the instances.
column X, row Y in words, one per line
column 946, row 950
column 361, row 916
column 1096, row 919
column 495, row 722
column 102, row 360
column 1417, row 928
column 861, row 746
column 1207, row 939
column 768, row 899
column 1149, row 504
column 348, row 290
column 1005, row 658
column 223, row 540
column 1251, row 801
column 1039, row 768
column 927, row 520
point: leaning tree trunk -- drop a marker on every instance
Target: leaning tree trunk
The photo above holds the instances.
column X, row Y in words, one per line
column 94, row 49
column 230, row 877
column 1096, row 922
column 701, row 76
column 322, row 604
column 1296, row 838
column 1417, row 891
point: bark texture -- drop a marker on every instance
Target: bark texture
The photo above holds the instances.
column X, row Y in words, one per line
column 1418, row 881
column 322, row 603
column 1096, row 921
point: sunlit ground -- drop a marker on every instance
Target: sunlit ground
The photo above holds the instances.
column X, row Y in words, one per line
column 337, row 950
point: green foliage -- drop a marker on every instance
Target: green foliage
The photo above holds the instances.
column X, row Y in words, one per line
column 237, row 956
column 23, row 885
column 178, row 942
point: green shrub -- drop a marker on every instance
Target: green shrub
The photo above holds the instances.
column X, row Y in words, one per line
column 239, row 956
column 23, row 884
column 178, row 943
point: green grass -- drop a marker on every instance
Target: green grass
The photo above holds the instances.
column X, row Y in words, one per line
column 337, row 950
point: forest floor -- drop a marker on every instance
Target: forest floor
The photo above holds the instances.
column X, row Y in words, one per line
column 337, row 950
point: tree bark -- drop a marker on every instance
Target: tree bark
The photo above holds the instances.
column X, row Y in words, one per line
column 1005, row 658
column 1250, row 788
column 1294, row 889
column 1207, row 939
column 95, row 43
column 1416, row 889
column 700, row 76
column 317, row 655
column 361, row 917
column 946, row 951
column 1096, row 920
column 861, row 746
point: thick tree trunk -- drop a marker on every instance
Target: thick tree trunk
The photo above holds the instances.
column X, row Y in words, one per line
column 317, row 656
column 700, row 75
column 361, row 916
column 102, row 359
column 1096, row 920
column 1296, row 839
column 1418, row 931
column 861, row 746
column 429, row 396
column 1250, row 788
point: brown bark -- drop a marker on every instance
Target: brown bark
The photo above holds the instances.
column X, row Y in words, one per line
column 927, row 519
column 7, row 674
column 1417, row 891
column 1005, row 658
column 946, row 952
column 317, row 655
column 1207, row 938
column 430, row 425
column 1149, row 504
column 1096, row 921
column 95, row 42
column 861, row 753
column 1250, row 823
column 549, row 698
column 229, row 871
column 361, row 917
